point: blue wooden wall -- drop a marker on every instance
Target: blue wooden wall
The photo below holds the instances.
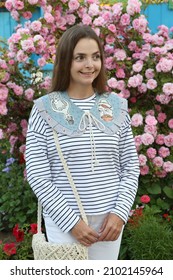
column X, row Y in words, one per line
column 157, row 15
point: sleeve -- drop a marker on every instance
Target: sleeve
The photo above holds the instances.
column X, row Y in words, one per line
column 129, row 172
column 39, row 174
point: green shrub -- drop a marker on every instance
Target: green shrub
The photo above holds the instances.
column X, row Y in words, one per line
column 147, row 237
column 17, row 201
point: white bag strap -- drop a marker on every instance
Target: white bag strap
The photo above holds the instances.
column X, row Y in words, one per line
column 72, row 184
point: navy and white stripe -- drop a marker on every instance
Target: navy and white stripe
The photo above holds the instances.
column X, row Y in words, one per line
column 110, row 188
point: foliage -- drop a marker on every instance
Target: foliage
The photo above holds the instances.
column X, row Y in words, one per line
column 17, row 201
column 148, row 236
column 21, row 248
column 139, row 68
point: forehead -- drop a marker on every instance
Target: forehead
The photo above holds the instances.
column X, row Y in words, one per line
column 86, row 45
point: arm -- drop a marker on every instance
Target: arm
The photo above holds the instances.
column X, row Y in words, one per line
column 39, row 174
column 129, row 173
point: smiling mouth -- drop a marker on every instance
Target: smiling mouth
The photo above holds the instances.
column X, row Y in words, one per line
column 87, row 73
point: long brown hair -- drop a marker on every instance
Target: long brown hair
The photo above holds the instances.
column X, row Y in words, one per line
column 64, row 55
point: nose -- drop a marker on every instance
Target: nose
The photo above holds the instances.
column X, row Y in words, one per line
column 89, row 62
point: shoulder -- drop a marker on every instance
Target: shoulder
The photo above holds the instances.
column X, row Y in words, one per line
column 122, row 102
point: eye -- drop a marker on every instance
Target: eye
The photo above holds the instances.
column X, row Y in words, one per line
column 97, row 56
column 79, row 57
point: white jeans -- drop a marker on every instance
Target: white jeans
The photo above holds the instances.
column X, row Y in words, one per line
column 104, row 250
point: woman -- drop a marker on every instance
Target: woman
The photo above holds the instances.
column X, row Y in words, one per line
column 97, row 142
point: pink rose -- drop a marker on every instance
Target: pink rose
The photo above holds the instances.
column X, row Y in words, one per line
column 137, row 120
column 1, row 134
column 3, row 108
column 86, row 19
column 125, row 19
column 73, row 5
column 151, row 153
column 158, row 161
column 142, row 160
column 138, row 140
column 170, row 123
column 27, row 15
column 164, row 152
column 147, row 139
column 161, row 117
column 135, row 81
column 168, row 140
column 120, row 54
column 151, row 84
column 144, row 170
column 160, row 139
column 168, row 88
column 145, row 199
column 112, row 82
column 29, row 93
column 150, row 120
column 168, row 166
column 149, row 73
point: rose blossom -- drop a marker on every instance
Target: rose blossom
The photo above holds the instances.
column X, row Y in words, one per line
column 151, row 129
column 138, row 140
column 86, row 19
column 137, row 67
column 112, row 82
column 144, row 170
column 168, row 88
column 160, row 139
column 33, row 2
column 151, row 153
column 41, row 61
column 164, row 152
column 145, row 198
column 168, row 166
column 9, row 249
column 142, row 160
column 150, row 120
column 24, row 123
column 149, row 73
column 170, row 123
column 120, row 73
column 168, row 140
column 151, row 84
column 36, row 25
column 73, row 5
column 147, row 139
column 1, row 134
column 161, row 117
column 158, row 161
column 120, row 54
column 3, row 108
column 136, row 120
column 29, row 93
column 27, row 15
column 135, row 80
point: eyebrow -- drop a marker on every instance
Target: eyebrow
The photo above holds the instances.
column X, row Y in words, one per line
column 97, row 52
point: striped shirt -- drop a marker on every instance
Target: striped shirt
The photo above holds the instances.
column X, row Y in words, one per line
column 111, row 187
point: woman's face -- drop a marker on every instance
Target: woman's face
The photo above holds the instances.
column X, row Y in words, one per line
column 86, row 63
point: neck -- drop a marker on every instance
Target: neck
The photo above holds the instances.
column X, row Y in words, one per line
column 80, row 92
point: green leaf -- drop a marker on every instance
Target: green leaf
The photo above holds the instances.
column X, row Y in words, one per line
column 162, row 204
column 154, row 188
column 168, row 191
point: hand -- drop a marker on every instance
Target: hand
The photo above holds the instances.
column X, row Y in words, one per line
column 111, row 228
column 84, row 234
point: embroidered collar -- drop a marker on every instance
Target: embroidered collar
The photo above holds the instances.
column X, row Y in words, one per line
column 107, row 114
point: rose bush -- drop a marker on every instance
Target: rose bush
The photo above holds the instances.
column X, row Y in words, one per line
column 139, row 68
column 20, row 248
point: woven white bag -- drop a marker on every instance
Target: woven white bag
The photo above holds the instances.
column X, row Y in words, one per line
column 44, row 250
